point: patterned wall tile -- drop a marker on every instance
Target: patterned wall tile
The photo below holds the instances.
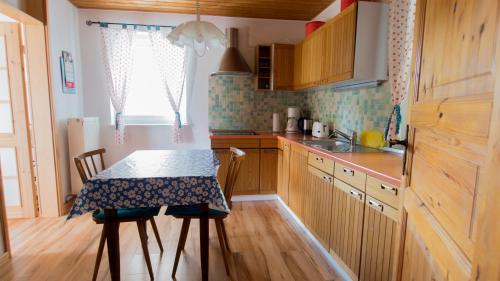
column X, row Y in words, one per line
column 234, row 105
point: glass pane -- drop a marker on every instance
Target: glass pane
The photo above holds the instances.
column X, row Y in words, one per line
column 4, row 85
column 8, row 161
column 11, row 189
column 3, row 52
column 5, row 119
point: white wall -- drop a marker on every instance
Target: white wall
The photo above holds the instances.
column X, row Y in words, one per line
column 20, row 4
column 252, row 32
column 330, row 12
column 63, row 35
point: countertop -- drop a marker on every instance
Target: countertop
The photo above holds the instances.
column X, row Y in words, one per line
column 385, row 166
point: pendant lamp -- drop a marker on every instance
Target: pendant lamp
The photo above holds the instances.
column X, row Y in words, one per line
column 199, row 35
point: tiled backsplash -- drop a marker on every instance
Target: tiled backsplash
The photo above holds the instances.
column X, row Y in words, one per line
column 234, row 105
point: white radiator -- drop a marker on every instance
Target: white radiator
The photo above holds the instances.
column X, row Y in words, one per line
column 83, row 135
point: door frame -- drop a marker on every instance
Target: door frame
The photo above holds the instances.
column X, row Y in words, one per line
column 48, row 178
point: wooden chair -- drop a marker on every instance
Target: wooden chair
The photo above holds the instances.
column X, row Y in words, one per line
column 83, row 163
column 193, row 212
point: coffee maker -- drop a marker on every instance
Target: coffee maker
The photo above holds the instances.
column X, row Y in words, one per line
column 293, row 118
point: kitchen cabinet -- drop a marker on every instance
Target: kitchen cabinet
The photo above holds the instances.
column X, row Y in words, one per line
column 248, row 181
column 274, row 67
column 268, row 170
column 282, row 67
column 298, row 180
column 347, row 226
column 297, row 66
column 380, row 225
column 318, row 204
column 283, row 171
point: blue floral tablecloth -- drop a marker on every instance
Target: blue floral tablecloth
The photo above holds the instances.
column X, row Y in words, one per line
column 154, row 178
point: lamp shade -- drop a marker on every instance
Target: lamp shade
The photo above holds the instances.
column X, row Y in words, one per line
column 200, row 35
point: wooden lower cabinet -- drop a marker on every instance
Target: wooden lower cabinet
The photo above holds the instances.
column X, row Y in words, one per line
column 380, row 226
column 347, row 226
column 249, row 178
column 298, row 180
column 318, row 204
column 284, row 172
column 268, row 170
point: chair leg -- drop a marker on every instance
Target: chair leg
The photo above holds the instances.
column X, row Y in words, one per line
column 182, row 242
column 141, row 226
column 102, row 241
column 218, row 226
column 226, row 241
column 155, row 230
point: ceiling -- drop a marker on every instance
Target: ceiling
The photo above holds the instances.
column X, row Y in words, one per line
column 269, row 9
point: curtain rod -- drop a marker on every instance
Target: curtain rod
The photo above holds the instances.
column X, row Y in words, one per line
column 103, row 23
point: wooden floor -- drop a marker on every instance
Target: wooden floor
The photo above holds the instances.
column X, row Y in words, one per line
column 266, row 244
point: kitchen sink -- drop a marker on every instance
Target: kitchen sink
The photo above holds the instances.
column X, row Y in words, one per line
column 335, row 145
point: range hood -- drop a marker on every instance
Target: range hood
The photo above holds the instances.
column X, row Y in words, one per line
column 232, row 62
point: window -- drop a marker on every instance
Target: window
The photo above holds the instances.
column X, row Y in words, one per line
column 147, row 103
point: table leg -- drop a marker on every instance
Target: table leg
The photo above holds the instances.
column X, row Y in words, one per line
column 113, row 242
column 204, row 241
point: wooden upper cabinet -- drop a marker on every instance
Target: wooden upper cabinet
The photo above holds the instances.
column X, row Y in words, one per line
column 282, row 67
column 452, row 136
column 297, row 66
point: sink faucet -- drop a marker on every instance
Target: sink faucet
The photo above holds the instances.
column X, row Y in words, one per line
column 351, row 138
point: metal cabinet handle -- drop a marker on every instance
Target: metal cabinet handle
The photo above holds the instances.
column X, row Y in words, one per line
column 349, row 172
column 319, row 159
column 356, row 194
column 376, row 205
column 389, row 189
column 327, row 179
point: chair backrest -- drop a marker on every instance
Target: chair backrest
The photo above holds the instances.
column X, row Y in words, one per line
column 237, row 157
column 83, row 166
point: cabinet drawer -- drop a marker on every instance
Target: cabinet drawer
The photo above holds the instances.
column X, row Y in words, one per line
column 269, row 143
column 239, row 143
column 382, row 191
column 324, row 164
column 382, row 208
column 350, row 176
column 325, row 177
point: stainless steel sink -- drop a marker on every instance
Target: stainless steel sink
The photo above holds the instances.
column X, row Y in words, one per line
column 335, row 145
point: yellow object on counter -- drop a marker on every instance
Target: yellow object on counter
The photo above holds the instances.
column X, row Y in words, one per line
column 372, row 138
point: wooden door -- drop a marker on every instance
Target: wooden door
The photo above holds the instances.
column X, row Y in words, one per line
column 248, row 180
column 307, row 63
column 455, row 130
column 297, row 67
column 379, row 232
column 268, row 170
column 14, row 138
column 298, row 180
column 283, row 63
column 347, row 226
column 318, row 206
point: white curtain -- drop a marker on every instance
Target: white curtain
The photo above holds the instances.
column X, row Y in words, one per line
column 173, row 63
column 118, row 63
column 401, row 25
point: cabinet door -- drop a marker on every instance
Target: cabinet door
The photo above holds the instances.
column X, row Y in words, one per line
column 284, row 172
column 339, row 46
column 249, row 177
column 283, row 55
column 379, row 228
column 347, row 225
column 268, row 170
column 307, row 64
column 298, row 180
column 318, row 205
column 297, row 67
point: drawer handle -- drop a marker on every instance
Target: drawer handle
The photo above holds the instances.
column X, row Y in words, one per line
column 327, row 179
column 356, row 194
column 389, row 189
column 349, row 172
column 376, row 205
column 319, row 159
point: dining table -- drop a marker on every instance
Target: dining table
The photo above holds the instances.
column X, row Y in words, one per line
column 154, row 178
